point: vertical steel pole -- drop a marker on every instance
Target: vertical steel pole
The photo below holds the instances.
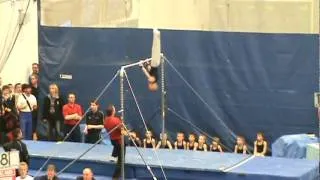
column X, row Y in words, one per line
column 123, row 119
column 163, row 96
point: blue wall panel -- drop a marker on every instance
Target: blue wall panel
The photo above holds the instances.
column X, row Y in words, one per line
column 252, row 82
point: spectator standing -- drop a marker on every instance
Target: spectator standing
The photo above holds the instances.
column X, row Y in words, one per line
column 11, row 89
column 72, row 113
column 17, row 91
column 52, row 113
column 35, row 70
column 94, row 123
column 34, row 85
column 35, row 91
column 26, row 104
column 10, row 115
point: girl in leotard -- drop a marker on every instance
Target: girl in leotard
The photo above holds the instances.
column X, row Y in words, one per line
column 215, row 145
column 260, row 145
column 180, row 143
column 202, row 146
column 192, row 142
column 164, row 143
column 240, row 147
column 149, row 141
column 134, row 137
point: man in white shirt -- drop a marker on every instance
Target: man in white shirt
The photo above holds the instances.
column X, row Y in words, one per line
column 23, row 171
column 26, row 104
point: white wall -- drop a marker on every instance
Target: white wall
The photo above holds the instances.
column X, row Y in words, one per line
column 25, row 52
column 268, row 16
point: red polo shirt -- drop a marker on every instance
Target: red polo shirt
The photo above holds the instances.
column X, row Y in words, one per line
column 110, row 123
column 70, row 109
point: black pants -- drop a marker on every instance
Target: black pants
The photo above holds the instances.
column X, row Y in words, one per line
column 75, row 136
column 92, row 137
column 116, row 152
column 34, row 121
column 54, row 130
column 2, row 138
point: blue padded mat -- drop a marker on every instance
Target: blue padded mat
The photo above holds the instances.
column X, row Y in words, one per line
column 178, row 164
column 292, row 146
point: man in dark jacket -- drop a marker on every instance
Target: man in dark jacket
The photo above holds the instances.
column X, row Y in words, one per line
column 51, row 173
column 35, row 91
column 18, row 145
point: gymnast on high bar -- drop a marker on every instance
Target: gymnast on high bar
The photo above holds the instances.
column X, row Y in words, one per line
column 150, row 68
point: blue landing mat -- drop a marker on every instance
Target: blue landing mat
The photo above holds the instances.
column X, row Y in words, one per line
column 178, row 164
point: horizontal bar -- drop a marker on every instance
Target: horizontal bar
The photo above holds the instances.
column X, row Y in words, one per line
column 135, row 64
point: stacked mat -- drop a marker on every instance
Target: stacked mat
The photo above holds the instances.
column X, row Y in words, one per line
column 313, row 151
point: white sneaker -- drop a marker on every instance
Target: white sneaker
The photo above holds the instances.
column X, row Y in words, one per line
column 113, row 159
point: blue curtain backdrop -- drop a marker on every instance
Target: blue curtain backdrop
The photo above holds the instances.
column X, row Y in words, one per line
column 251, row 81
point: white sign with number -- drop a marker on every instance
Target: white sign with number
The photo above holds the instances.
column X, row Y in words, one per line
column 9, row 159
column 7, row 173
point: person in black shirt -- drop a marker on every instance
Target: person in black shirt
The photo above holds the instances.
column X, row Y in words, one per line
column 35, row 85
column 18, row 145
column 94, row 121
column 52, row 113
column 34, row 79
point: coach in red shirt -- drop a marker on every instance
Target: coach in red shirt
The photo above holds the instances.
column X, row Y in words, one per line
column 72, row 113
column 110, row 124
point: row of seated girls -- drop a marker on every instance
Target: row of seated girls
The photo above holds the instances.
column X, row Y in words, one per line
column 198, row 144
